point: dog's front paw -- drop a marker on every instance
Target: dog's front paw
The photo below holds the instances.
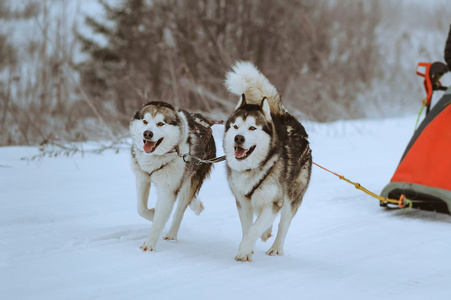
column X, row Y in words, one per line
column 147, row 246
column 170, row 237
column 244, row 257
column 273, row 251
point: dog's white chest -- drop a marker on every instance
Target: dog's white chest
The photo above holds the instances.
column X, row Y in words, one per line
column 249, row 183
column 242, row 182
column 163, row 169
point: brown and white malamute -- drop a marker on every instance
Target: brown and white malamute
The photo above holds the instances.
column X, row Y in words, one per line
column 160, row 133
column 268, row 159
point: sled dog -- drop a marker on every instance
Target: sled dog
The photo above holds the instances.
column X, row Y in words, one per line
column 268, row 159
column 159, row 134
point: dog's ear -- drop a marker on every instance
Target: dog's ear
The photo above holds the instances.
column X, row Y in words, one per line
column 136, row 116
column 266, row 109
column 242, row 102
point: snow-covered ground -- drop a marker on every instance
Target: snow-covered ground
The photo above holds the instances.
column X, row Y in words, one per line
column 69, row 230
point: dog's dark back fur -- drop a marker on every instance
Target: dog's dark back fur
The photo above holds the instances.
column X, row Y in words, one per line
column 204, row 148
column 295, row 152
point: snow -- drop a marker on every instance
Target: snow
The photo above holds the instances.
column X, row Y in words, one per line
column 69, row 230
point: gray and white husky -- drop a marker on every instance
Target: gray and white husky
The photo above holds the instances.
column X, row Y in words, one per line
column 268, row 159
column 160, row 133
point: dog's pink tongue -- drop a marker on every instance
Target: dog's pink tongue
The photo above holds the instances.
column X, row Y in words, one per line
column 240, row 152
column 149, row 146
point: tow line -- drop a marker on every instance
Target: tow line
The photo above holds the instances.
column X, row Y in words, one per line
column 401, row 202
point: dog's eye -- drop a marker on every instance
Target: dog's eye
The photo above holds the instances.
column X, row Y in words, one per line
column 159, row 124
column 252, row 128
column 235, row 126
column 145, row 122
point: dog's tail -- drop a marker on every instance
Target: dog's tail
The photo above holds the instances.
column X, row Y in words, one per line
column 248, row 80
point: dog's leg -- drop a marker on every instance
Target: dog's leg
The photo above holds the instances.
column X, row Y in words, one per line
column 286, row 216
column 246, row 214
column 263, row 222
column 142, row 193
column 182, row 204
column 289, row 209
column 165, row 204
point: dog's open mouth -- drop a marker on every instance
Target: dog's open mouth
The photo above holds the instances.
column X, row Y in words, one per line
column 241, row 153
column 150, row 146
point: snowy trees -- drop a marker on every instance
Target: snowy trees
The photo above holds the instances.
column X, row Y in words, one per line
column 318, row 54
column 36, row 58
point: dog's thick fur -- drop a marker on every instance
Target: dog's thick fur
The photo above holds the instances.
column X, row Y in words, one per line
column 268, row 159
column 158, row 131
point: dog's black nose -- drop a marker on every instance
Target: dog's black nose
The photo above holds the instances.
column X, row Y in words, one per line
column 239, row 139
column 148, row 134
